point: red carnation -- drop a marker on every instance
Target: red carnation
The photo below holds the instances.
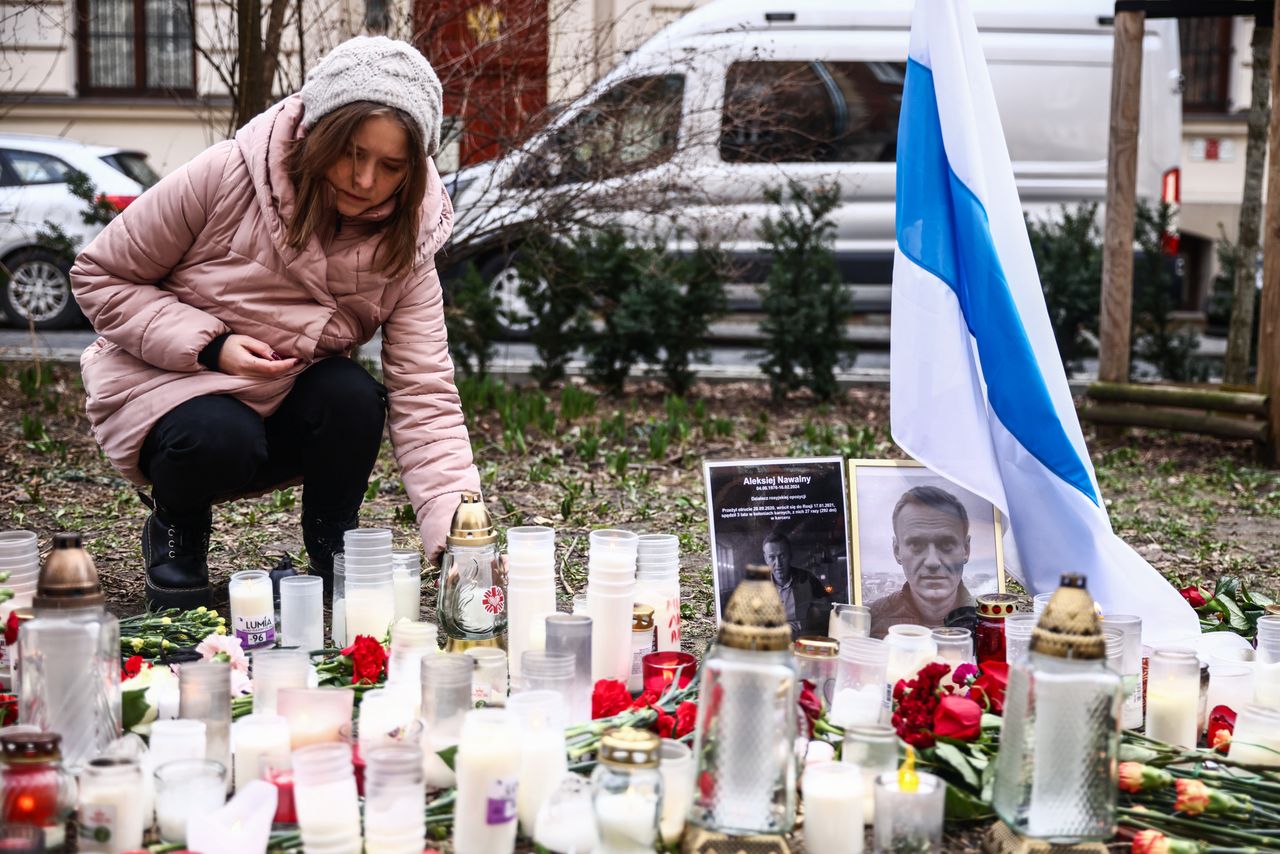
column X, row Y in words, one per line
column 686, row 718
column 610, row 697
column 646, row 699
column 665, row 725
column 810, row 705
column 132, row 667
column 1195, row 596
column 11, row 629
column 988, row 689
column 958, row 718
column 368, row 660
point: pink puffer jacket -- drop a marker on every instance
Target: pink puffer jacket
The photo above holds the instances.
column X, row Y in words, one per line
column 203, row 252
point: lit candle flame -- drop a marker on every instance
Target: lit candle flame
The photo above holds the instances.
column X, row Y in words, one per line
column 908, row 779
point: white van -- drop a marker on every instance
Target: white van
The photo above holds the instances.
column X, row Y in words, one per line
column 688, row 132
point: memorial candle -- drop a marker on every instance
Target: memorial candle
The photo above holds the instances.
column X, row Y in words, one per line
column 488, row 766
column 252, row 609
column 833, row 809
column 255, row 739
column 1173, row 692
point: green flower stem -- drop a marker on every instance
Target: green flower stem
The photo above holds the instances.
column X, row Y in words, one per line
column 1199, row 828
column 1213, row 849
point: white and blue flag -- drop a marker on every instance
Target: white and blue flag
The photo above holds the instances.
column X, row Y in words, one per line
column 978, row 391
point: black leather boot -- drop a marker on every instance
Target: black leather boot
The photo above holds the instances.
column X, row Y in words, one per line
column 322, row 534
column 175, row 550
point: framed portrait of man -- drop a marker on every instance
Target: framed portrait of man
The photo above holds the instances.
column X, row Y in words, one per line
column 923, row 548
column 791, row 515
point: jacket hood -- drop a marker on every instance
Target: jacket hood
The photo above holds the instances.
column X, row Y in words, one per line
column 264, row 143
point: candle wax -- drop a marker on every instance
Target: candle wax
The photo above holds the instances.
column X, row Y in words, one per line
column 253, row 613
column 832, row 816
column 626, row 822
column 1172, row 715
column 857, row 706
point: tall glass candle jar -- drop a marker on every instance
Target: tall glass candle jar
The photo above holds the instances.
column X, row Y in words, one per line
column 37, row 790
column 1173, row 697
column 325, row 797
column 1266, row 667
column 627, row 791
column 873, row 750
column 988, row 633
column 473, row 582
column 205, row 695
column 1256, row 739
column 748, row 677
column 816, row 659
column 369, row 604
column 395, row 792
column 860, row 682
column 253, row 618
column 549, row 671
column 491, row 681
column 642, row 643
column 1055, row 772
column 1131, row 664
column 488, row 768
column 446, row 698
column 338, row 602
column 1017, row 635
column 274, row 669
column 910, row 648
column 658, row 585
column 314, row 714
column 540, row 716
column 110, row 813
column 406, row 581
column 833, row 809
column 185, row 789
column 302, row 612
column 676, row 769
column 849, row 621
column 256, row 740
column 955, row 646
column 571, row 634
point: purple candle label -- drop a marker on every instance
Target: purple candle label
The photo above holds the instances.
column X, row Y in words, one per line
column 500, row 804
column 256, row 631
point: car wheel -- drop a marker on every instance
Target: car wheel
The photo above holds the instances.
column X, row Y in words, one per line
column 503, row 275
column 38, row 290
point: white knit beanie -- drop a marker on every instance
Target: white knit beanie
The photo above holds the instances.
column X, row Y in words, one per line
column 378, row 69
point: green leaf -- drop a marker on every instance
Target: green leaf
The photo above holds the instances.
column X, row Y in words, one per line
column 1226, row 587
column 962, row 806
column 1137, row 753
column 448, row 755
column 133, row 707
column 990, row 721
column 1235, row 617
column 951, row 755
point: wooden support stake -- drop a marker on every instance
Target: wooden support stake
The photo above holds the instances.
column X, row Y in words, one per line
column 1269, row 316
column 1209, row 399
column 1122, row 176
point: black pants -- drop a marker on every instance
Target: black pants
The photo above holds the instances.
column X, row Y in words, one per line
column 327, row 432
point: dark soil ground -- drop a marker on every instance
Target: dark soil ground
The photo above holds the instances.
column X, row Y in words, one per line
column 1196, row 508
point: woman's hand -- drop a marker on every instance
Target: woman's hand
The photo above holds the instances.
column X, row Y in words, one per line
column 245, row 356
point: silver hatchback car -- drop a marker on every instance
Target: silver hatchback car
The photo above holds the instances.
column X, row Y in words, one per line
column 34, row 284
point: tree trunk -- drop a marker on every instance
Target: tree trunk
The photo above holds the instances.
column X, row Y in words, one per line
column 251, row 95
column 271, row 47
column 1269, row 317
column 1240, row 336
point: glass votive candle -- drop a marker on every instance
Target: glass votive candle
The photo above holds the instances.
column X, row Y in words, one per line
column 362, row 741
column 571, row 634
column 489, row 684
column 255, row 739
column 109, row 805
column 832, row 809
column 580, row 607
column 395, row 792
column 205, row 695
column 1113, row 641
column 410, row 641
column 1131, row 666
column 540, row 717
column 1017, row 635
column 849, row 621
column 384, row 716
column 369, row 604
column 1230, row 685
column 676, row 768
column 338, row 602
column 488, row 766
column 860, row 682
column 314, row 714
column 1256, row 740
column 274, row 669
column 302, row 612
column 186, row 788
column 1173, row 696
column 659, row 670
column 1039, row 602
column 253, row 613
column 176, row 739
column 406, row 578
column 446, row 698
column 816, row 659
column 911, row 647
column 955, row 646
column 279, row 773
column 873, row 749
column 548, row 671
column 909, row 821
column 325, row 796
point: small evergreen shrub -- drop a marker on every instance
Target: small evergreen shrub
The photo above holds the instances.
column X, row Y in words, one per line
column 473, row 323
column 1156, row 336
column 555, row 292
column 804, row 302
column 1068, row 253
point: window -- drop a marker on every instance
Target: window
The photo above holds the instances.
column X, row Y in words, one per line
column 1206, row 63
column 32, row 167
column 135, row 165
column 632, row 127
column 811, row 112
column 135, row 47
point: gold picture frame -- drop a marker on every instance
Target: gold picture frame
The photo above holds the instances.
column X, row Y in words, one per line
column 868, row 507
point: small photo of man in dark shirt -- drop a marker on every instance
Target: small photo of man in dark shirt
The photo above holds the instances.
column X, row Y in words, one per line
column 804, row 596
column 931, row 543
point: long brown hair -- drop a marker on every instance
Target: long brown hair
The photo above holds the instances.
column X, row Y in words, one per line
column 333, row 137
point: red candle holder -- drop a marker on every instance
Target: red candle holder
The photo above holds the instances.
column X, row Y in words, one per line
column 660, row 669
column 282, row 778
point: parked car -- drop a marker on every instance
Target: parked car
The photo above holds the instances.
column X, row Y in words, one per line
column 33, row 191
column 738, row 96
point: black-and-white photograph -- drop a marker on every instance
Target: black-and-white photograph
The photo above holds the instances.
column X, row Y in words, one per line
column 790, row 515
column 923, row 548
